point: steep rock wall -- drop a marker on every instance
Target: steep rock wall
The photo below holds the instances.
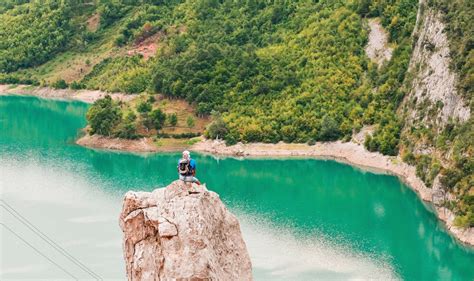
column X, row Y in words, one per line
column 433, row 98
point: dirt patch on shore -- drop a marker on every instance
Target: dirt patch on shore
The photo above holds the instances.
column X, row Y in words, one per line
column 88, row 96
column 101, row 142
column 139, row 145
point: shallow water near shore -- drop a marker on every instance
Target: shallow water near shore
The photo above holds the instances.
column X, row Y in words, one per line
column 302, row 219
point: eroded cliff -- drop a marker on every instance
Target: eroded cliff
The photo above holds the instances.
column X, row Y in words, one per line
column 437, row 135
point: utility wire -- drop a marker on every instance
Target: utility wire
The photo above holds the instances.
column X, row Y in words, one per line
column 39, row 252
column 48, row 240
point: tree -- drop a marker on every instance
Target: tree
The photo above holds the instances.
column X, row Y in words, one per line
column 76, row 85
column 217, row 128
column 190, row 122
column 157, row 118
column 103, row 116
column 329, row 129
column 127, row 128
column 144, row 107
column 173, row 119
column 59, row 84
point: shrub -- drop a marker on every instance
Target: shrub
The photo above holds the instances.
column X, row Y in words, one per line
column 59, row 84
column 179, row 136
column 151, row 99
column 450, row 177
column 17, row 79
column 173, row 119
column 465, row 220
column 217, row 128
column 123, row 74
column 76, row 85
column 144, row 107
column 408, row 157
column 370, row 143
column 230, row 139
column 252, row 133
column 190, row 122
column 329, row 129
column 157, row 118
column 127, row 129
column 120, row 40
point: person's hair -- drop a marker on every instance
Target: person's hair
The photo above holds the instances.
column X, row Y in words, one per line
column 186, row 154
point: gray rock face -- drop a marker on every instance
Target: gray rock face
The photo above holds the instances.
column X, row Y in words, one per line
column 434, row 83
column 182, row 232
column 377, row 48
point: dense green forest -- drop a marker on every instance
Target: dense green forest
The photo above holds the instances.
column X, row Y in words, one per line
column 266, row 71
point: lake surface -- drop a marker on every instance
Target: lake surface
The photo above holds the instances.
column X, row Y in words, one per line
column 302, row 219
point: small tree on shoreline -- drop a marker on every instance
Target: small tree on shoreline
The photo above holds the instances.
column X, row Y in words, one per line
column 103, row 116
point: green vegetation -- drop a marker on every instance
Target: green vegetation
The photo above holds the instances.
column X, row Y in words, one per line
column 144, row 117
column 59, row 84
column 127, row 127
column 103, row 116
column 217, row 128
column 173, row 119
column 33, row 33
column 122, row 74
column 158, row 119
column 190, row 122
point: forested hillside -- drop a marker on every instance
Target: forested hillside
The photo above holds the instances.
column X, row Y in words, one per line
column 302, row 63
column 266, row 71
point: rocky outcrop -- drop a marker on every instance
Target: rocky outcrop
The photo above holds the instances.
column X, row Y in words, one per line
column 182, row 232
column 377, row 47
column 433, row 98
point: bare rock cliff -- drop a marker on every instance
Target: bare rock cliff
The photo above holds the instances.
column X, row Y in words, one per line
column 182, row 232
column 433, row 98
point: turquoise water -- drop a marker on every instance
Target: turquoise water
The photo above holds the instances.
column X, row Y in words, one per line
column 302, row 219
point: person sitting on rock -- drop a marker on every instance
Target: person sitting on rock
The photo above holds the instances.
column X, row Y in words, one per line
column 187, row 168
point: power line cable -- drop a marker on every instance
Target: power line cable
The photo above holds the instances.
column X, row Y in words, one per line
column 48, row 240
column 38, row 251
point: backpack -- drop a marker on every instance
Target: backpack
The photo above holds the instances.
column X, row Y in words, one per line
column 184, row 167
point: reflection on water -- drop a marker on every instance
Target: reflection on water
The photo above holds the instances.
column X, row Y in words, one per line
column 300, row 218
column 279, row 253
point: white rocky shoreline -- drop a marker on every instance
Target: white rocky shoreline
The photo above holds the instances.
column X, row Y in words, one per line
column 87, row 96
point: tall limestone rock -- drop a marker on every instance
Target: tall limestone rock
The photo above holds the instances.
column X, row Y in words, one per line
column 182, row 232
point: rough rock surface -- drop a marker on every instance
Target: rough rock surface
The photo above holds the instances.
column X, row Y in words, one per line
column 434, row 85
column 182, row 232
column 377, row 47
